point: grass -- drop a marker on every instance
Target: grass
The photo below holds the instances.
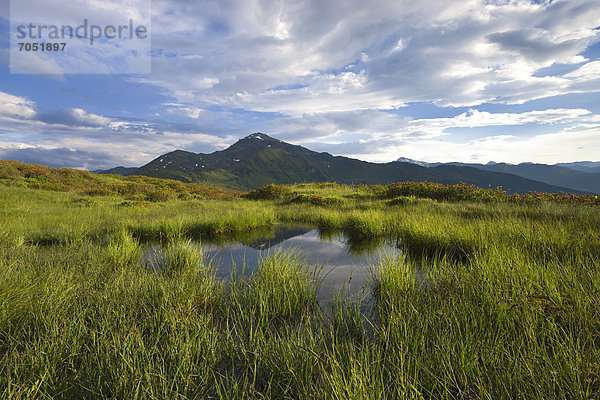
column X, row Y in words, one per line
column 138, row 188
column 489, row 299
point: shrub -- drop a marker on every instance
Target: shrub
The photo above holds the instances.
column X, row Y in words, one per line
column 269, row 192
column 462, row 191
column 318, row 200
column 163, row 194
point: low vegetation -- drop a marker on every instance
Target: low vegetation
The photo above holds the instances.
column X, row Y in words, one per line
column 318, row 200
column 140, row 188
column 463, row 191
column 104, row 295
column 269, row 192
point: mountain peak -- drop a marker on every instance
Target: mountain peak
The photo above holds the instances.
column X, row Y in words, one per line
column 257, row 139
column 253, row 143
column 260, row 136
column 416, row 162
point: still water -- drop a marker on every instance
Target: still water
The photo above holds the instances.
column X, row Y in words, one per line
column 340, row 264
column 343, row 265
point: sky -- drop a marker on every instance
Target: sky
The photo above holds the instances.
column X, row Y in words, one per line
column 439, row 81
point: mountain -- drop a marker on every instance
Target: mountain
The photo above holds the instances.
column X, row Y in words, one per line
column 559, row 174
column 123, row 171
column 585, row 166
column 551, row 174
column 259, row 160
column 417, row 162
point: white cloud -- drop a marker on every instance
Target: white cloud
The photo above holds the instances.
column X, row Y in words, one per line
column 182, row 140
column 183, row 110
column 588, row 71
column 475, row 118
column 460, row 53
column 340, row 127
column 92, row 141
column 75, row 117
column 381, row 136
column 105, row 47
column 579, row 143
column 15, row 107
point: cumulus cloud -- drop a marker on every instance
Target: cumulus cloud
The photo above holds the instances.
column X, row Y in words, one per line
column 381, row 136
column 338, row 127
column 14, row 107
column 62, row 157
column 74, row 117
column 107, row 53
column 20, row 109
column 347, row 55
column 577, row 143
column 183, row 110
column 475, row 118
column 537, row 45
column 81, row 139
column 565, row 145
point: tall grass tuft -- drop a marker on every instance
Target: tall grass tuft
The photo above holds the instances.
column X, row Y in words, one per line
column 123, row 249
column 180, row 256
column 280, row 289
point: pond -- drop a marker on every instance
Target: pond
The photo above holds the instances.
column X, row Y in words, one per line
column 343, row 264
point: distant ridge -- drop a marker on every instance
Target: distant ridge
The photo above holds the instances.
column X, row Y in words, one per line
column 578, row 176
column 584, row 166
column 258, row 159
column 124, row 171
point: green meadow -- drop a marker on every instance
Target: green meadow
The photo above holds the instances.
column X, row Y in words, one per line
column 491, row 298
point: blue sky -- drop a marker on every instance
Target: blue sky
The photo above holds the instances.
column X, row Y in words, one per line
column 462, row 80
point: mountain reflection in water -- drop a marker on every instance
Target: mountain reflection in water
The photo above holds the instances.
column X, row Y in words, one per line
column 336, row 257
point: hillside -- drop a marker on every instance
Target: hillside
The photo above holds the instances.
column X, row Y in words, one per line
column 551, row 174
column 14, row 173
column 577, row 176
column 259, row 160
column 557, row 175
